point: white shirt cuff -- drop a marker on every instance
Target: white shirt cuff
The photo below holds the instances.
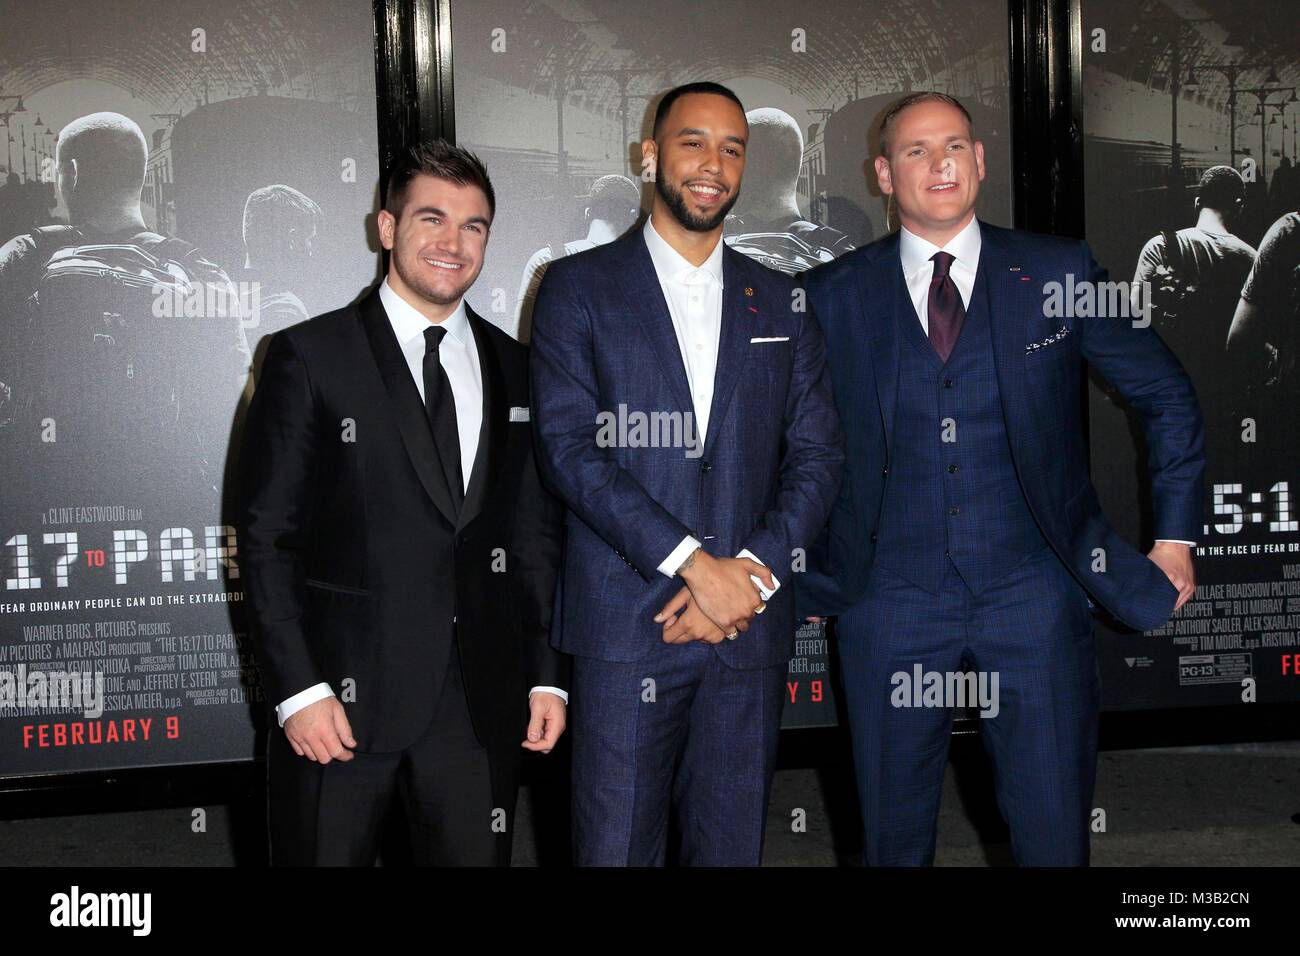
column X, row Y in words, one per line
column 668, row 567
column 562, row 694
column 1190, row 544
column 763, row 592
column 298, row 701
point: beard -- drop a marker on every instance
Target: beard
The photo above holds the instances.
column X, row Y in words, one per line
column 415, row 281
column 676, row 203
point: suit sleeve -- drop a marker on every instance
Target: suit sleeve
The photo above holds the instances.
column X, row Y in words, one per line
column 565, row 403
column 277, row 465
column 1133, row 358
column 812, row 465
column 538, row 536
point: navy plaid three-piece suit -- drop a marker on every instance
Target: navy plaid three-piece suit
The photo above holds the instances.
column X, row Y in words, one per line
column 968, row 536
column 692, row 726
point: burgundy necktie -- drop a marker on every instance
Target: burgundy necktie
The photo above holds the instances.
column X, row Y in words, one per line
column 944, row 309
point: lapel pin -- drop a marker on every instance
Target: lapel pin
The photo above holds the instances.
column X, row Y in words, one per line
column 1013, row 268
column 753, row 309
column 749, row 291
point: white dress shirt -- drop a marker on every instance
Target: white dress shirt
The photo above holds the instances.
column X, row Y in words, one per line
column 458, row 355
column 918, row 270
column 693, row 295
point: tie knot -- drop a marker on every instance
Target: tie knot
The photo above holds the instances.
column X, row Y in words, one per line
column 942, row 263
column 433, row 338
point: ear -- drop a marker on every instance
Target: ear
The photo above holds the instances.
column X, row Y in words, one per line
column 883, row 175
column 387, row 228
column 979, row 159
column 649, row 159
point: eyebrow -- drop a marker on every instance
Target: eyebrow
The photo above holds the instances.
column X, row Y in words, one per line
column 949, row 139
column 439, row 212
column 692, row 131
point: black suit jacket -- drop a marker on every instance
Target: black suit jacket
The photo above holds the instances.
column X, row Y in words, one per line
column 354, row 568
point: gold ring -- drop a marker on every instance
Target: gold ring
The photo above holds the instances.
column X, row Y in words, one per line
column 762, row 606
column 732, row 635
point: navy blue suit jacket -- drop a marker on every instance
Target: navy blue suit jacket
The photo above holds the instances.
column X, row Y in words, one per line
column 1041, row 390
column 768, row 473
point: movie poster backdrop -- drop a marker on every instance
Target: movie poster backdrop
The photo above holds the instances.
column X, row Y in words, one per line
column 179, row 181
column 1192, row 197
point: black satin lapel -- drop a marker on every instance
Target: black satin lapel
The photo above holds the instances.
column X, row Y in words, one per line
column 408, row 410
column 492, row 434
column 733, row 343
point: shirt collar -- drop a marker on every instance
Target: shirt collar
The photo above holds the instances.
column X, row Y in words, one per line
column 916, row 252
column 408, row 323
column 672, row 265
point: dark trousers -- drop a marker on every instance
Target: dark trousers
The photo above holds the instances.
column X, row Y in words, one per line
column 678, row 728
column 334, row 814
column 1033, row 628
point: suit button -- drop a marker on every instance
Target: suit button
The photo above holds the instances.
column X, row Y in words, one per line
column 953, row 511
column 952, row 469
column 873, row 537
column 947, row 383
column 705, row 467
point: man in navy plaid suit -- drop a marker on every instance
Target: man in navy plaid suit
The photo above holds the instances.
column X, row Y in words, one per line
column 967, row 546
column 679, row 538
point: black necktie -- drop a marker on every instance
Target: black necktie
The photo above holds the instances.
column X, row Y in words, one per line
column 440, row 404
column 945, row 312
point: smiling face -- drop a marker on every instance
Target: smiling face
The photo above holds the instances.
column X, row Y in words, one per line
column 438, row 242
column 933, row 170
column 699, row 157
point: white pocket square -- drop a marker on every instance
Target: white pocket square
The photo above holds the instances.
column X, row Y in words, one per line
column 775, row 338
column 1056, row 336
column 518, row 414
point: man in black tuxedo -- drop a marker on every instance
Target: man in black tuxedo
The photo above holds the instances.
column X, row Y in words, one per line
column 399, row 553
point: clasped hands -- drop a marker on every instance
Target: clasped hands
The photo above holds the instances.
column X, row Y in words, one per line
column 718, row 602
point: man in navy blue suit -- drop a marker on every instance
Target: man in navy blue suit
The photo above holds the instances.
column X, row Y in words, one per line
column 684, row 415
column 967, row 545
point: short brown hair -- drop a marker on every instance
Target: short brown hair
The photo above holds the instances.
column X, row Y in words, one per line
column 890, row 119
column 442, row 160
